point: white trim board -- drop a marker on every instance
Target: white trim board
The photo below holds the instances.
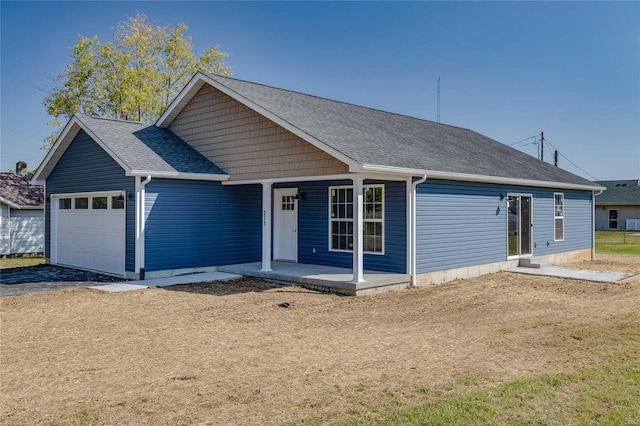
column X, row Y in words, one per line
column 20, row 206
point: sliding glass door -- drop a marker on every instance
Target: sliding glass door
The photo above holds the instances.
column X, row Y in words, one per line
column 519, row 238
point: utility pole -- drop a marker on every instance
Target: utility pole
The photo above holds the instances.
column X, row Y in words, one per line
column 555, row 158
column 542, row 146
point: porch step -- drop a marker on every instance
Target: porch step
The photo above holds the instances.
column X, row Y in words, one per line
column 533, row 262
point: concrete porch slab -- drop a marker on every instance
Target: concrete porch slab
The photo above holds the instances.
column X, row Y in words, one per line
column 118, row 287
column 168, row 281
column 575, row 274
column 320, row 277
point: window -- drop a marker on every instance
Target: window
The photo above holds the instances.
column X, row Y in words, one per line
column 117, row 202
column 81, row 203
column 64, row 203
column 372, row 233
column 341, row 218
column 613, row 219
column 558, row 217
column 99, row 203
column 288, row 202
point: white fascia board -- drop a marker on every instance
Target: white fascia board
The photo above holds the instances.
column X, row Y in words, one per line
column 390, row 169
column 290, row 179
column 165, row 119
column 19, row 206
column 178, row 175
column 9, row 203
column 479, row 178
column 316, row 178
column 508, row 181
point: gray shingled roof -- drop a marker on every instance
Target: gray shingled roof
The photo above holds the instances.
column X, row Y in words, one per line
column 147, row 148
column 619, row 193
column 17, row 190
column 375, row 137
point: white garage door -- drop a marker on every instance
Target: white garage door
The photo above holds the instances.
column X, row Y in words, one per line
column 90, row 232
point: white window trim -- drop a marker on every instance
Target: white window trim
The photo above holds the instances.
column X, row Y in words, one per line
column 364, row 220
column 555, row 218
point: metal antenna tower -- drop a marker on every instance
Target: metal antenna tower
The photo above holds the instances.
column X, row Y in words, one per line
column 438, row 99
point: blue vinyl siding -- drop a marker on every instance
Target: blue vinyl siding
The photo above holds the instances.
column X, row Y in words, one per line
column 195, row 224
column 85, row 167
column 313, row 227
column 578, row 232
column 461, row 224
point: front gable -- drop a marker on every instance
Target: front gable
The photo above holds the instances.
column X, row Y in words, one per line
column 86, row 167
column 244, row 143
column 84, row 163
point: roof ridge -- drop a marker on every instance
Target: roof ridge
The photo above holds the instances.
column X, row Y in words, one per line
column 337, row 101
column 117, row 120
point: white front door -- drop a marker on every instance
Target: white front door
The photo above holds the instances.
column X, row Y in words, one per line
column 285, row 224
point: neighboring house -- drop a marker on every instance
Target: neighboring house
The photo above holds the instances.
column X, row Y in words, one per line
column 21, row 215
column 618, row 208
column 237, row 172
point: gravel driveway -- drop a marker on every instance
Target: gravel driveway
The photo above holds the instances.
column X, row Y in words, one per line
column 33, row 279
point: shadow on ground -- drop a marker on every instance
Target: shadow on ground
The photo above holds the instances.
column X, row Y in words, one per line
column 50, row 273
column 226, row 288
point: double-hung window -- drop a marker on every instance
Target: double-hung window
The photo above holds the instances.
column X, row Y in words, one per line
column 558, row 217
column 341, row 218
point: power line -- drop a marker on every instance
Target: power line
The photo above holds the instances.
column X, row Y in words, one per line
column 574, row 164
column 526, row 139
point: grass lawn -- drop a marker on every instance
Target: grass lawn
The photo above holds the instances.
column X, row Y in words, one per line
column 607, row 392
column 15, row 262
column 618, row 242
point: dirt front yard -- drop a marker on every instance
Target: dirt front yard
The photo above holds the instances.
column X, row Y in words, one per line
column 227, row 353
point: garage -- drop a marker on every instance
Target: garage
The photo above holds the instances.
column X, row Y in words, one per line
column 88, row 231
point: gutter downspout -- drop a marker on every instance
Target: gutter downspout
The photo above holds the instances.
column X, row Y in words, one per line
column 141, row 222
column 593, row 223
column 9, row 227
column 413, row 229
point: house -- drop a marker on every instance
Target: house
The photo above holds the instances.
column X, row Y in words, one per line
column 235, row 172
column 21, row 215
column 618, row 208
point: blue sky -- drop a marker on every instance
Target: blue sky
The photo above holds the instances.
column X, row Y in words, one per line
column 508, row 70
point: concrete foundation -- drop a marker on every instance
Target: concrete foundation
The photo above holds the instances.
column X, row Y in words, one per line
column 439, row 277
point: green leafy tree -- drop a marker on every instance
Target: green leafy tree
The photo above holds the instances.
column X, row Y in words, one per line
column 134, row 77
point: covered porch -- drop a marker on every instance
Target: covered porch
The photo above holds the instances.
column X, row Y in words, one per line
column 326, row 278
column 346, row 233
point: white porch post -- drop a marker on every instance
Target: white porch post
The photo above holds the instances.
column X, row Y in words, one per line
column 266, row 226
column 358, row 258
